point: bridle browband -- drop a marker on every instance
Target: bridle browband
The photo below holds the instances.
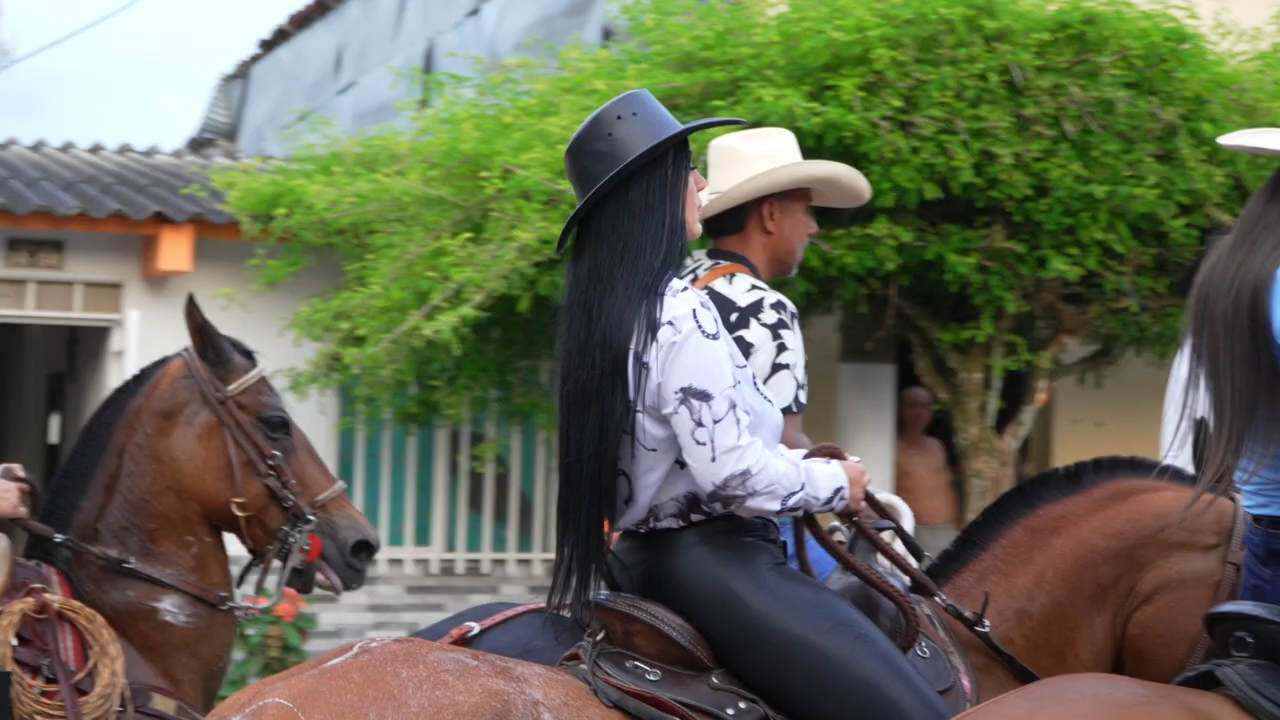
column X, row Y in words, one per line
column 294, row 541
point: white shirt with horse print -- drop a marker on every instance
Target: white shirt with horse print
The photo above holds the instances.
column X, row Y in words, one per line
column 707, row 436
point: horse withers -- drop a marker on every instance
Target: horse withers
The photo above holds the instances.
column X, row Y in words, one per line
column 196, row 444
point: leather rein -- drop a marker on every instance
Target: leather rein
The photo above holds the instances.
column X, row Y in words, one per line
column 975, row 622
column 1229, row 585
column 294, row 539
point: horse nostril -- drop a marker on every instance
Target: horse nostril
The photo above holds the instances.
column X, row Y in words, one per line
column 362, row 550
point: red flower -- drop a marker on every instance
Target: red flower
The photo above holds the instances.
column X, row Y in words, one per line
column 286, row 612
column 292, row 597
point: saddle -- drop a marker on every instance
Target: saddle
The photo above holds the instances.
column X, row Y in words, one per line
column 1245, row 657
column 644, row 659
column 54, row 650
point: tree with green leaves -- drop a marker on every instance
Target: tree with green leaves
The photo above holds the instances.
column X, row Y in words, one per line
column 1042, row 173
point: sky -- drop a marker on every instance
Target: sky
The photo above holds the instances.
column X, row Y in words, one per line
column 144, row 77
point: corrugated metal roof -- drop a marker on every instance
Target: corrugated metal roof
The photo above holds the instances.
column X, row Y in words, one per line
column 99, row 182
column 297, row 22
column 222, row 117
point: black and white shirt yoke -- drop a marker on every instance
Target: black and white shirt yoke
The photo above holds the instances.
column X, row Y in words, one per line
column 763, row 323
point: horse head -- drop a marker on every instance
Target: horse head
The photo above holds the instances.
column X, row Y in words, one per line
column 276, row 477
column 195, row 445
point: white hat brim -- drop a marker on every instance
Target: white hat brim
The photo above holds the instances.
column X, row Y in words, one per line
column 833, row 184
column 1254, row 141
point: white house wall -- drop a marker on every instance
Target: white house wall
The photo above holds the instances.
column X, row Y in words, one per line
column 156, row 304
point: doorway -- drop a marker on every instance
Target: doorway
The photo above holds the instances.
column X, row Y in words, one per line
column 51, row 380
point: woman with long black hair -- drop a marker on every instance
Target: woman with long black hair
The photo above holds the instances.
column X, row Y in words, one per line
column 1233, row 347
column 666, row 436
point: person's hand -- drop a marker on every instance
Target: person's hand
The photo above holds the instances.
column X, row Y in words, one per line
column 11, row 495
column 858, row 481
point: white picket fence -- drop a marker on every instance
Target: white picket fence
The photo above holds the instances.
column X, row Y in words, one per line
column 439, row 509
column 442, row 509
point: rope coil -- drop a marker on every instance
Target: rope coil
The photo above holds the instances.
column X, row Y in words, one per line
column 35, row 699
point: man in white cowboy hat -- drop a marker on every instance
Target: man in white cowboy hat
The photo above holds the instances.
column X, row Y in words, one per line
column 757, row 213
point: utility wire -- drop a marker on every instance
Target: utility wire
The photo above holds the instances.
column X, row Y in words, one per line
column 68, row 36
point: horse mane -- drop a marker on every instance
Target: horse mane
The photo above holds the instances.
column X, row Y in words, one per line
column 62, row 496
column 1045, row 489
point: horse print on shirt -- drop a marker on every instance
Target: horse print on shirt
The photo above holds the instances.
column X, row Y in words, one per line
column 725, row 497
column 697, row 403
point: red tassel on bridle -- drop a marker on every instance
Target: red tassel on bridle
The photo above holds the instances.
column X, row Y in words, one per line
column 314, row 548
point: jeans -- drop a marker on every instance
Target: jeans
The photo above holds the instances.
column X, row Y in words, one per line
column 804, row 649
column 1261, row 556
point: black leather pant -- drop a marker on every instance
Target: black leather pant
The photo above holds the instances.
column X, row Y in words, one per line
column 797, row 644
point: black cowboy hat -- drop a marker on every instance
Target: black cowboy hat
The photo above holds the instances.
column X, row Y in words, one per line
column 618, row 138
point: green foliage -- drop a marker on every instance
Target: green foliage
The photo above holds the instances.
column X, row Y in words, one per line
column 268, row 643
column 1039, row 169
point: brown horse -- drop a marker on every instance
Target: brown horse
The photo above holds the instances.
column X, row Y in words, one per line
column 195, row 444
column 1095, row 567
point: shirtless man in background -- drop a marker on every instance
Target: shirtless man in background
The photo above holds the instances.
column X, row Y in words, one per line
column 924, row 479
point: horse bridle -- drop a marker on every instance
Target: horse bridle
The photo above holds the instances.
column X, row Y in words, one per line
column 294, row 541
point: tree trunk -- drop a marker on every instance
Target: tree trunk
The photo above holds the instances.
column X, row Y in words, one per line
column 988, row 457
column 990, row 464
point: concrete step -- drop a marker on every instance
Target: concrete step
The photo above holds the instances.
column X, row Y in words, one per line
column 396, row 605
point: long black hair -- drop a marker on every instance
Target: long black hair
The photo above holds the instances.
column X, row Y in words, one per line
column 1231, row 347
column 627, row 249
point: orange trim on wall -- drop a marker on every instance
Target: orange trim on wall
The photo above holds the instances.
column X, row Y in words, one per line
column 119, row 225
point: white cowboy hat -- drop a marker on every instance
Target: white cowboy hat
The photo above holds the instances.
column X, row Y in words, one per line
column 749, row 164
column 1254, row 141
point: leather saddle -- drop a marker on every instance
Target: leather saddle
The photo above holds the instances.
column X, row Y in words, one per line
column 1245, row 657
column 44, row 650
column 643, row 659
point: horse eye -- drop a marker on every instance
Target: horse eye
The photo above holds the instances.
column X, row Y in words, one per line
column 276, row 424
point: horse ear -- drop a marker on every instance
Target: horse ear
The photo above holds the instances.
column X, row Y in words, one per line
column 206, row 339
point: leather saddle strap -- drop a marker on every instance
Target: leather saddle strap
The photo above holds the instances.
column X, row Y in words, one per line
column 719, row 272
column 155, row 702
column 802, row 551
column 1229, row 587
column 468, row 630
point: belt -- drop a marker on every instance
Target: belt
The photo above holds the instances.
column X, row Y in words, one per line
column 1266, row 522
